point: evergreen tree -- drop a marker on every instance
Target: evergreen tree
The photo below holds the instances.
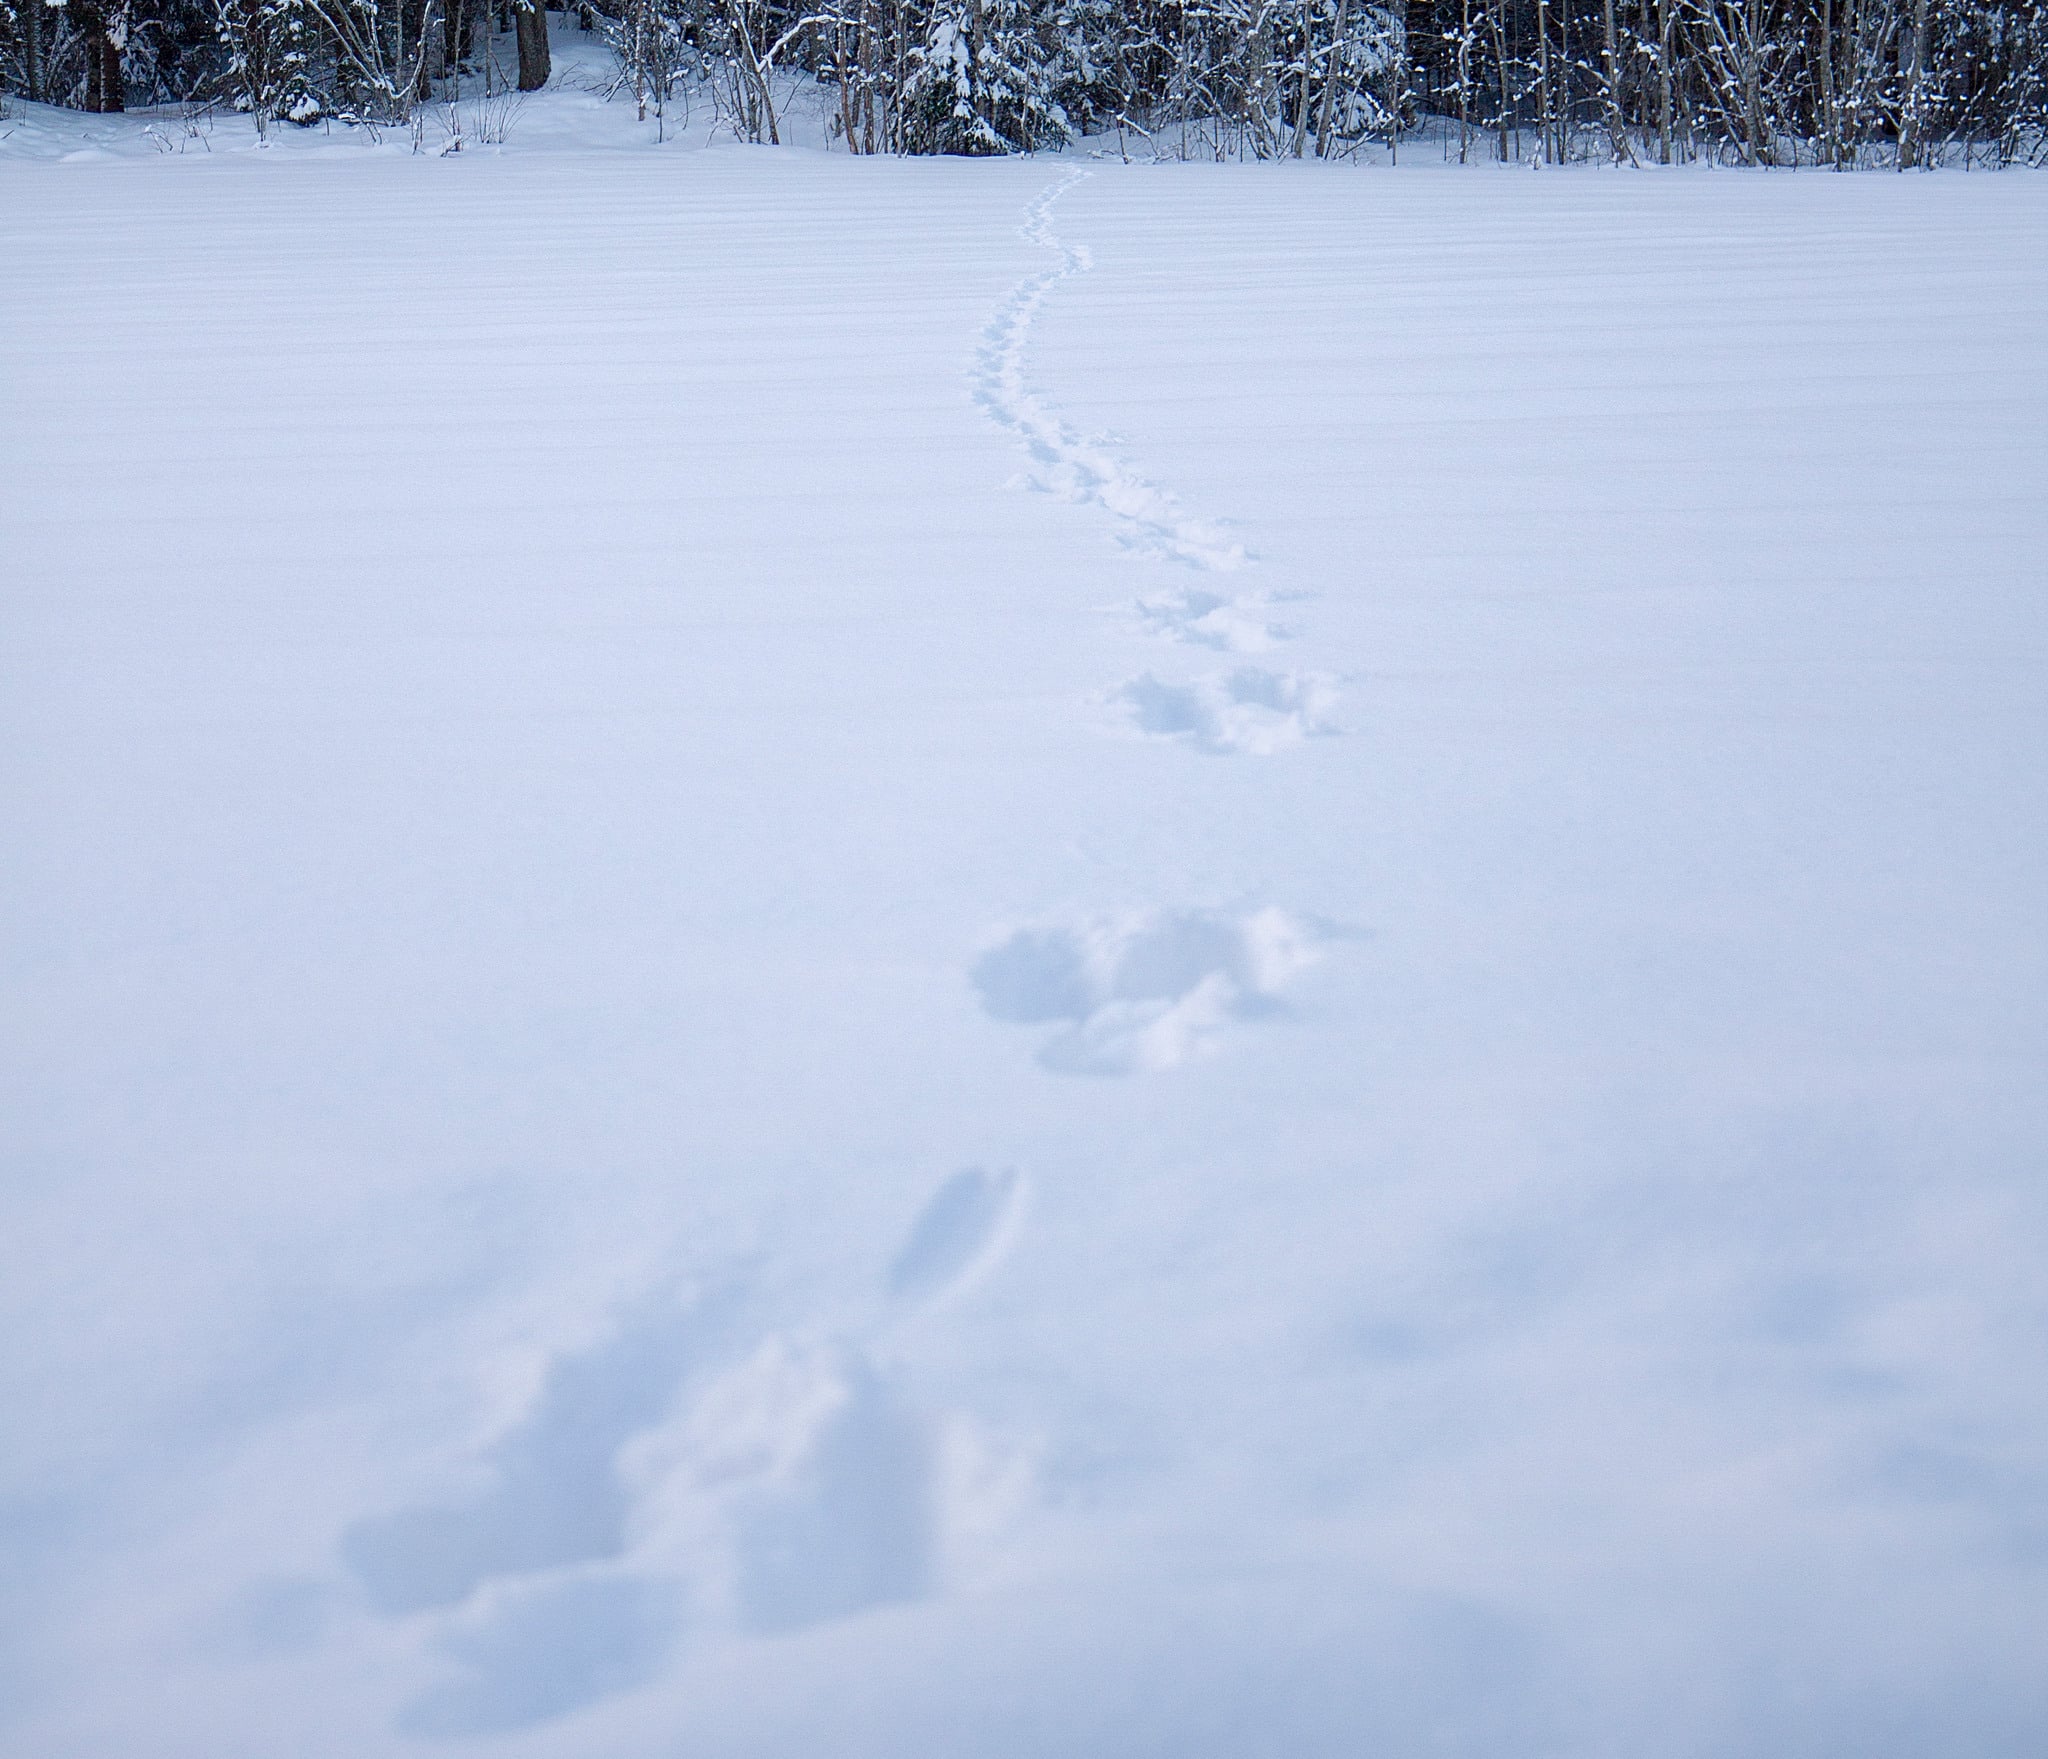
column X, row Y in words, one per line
column 269, row 44
column 987, row 79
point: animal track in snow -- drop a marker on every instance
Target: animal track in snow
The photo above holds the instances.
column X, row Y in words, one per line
column 531, row 1653
column 1151, row 519
column 1248, row 710
column 698, row 1470
column 1145, row 992
column 958, row 1235
column 553, row 1497
column 800, row 1486
column 1150, row 991
column 1208, row 619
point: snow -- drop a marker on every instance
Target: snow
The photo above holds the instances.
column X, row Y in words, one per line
column 869, row 957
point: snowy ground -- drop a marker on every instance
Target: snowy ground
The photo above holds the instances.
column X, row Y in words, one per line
column 881, row 959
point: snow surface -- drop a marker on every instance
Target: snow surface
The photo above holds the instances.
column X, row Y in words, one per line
column 898, row 958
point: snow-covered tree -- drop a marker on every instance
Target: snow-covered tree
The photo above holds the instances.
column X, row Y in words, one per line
column 1834, row 82
column 92, row 52
column 987, row 78
column 269, row 45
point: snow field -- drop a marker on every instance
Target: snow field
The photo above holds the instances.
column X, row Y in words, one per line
column 1361, row 1074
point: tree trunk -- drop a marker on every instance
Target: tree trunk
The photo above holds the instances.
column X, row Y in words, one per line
column 1496, row 17
column 843, row 77
column 1610, row 86
column 103, row 33
column 1663, row 82
column 1564, row 82
column 1399, row 97
column 530, row 27
column 32, row 53
column 1339, row 66
column 1913, row 134
column 1264, row 92
column 416, row 31
column 1464, row 79
column 1301, row 112
column 1829, row 121
column 113, row 95
column 454, row 29
column 870, row 77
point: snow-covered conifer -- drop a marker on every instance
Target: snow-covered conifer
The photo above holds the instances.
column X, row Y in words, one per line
column 987, row 78
column 269, row 46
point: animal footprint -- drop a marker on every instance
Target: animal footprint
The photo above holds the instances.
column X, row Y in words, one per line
column 1209, row 619
column 555, row 1497
column 1146, row 992
column 1249, row 710
column 696, row 1470
column 800, row 1484
column 540, row 1653
column 958, row 1235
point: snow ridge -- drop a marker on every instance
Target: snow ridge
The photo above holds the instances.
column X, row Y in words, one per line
column 1070, row 465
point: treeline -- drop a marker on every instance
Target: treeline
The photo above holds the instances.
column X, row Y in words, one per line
column 1763, row 82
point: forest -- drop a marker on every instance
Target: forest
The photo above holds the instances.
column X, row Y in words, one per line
column 1899, row 84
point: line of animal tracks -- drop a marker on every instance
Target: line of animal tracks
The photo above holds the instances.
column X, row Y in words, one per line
column 730, row 1455
column 1148, row 989
column 720, row 1458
